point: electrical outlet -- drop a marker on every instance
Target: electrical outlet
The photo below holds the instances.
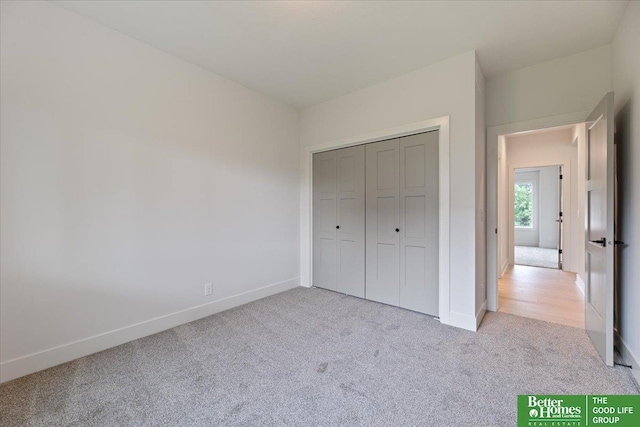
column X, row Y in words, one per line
column 208, row 289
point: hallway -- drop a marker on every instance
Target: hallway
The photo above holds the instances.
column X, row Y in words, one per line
column 543, row 294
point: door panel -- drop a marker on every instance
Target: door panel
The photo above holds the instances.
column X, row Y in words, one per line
column 419, row 222
column 348, row 220
column 382, row 211
column 324, row 220
column 386, row 166
column 415, row 167
column 386, row 216
column 386, row 270
column 347, row 171
column 414, row 216
column 351, row 191
column 327, row 213
column 599, row 228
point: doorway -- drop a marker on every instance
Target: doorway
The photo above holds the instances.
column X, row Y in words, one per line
column 537, row 216
column 540, row 217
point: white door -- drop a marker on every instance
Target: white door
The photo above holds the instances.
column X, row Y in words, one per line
column 324, row 220
column 419, row 215
column 382, row 222
column 599, row 228
column 350, row 221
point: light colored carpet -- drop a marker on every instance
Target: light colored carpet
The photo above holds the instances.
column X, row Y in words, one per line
column 309, row 357
column 536, row 257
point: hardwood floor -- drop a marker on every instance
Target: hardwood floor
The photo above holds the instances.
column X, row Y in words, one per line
column 543, row 294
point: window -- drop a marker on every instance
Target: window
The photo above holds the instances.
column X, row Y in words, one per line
column 523, row 209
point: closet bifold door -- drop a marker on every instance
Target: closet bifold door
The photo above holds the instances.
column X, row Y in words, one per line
column 338, row 220
column 419, row 223
column 324, row 220
column 350, row 204
column 382, row 222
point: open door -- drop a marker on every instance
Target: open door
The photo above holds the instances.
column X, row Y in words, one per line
column 599, row 228
column 560, row 219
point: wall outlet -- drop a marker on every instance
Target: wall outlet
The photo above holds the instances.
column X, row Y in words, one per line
column 208, row 289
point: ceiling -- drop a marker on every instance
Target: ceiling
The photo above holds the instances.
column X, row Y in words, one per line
column 306, row 52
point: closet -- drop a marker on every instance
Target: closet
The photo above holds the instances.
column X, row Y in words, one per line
column 375, row 221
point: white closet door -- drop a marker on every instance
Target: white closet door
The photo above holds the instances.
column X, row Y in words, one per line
column 382, row 222
column 324, row 220
column 350, row 220
column 419, row 223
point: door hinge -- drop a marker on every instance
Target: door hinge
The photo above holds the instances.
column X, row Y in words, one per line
column 496, row 231
column 559, row 251
column 560, row 176
column 560, row 214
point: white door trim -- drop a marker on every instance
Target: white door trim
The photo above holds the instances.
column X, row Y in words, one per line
column 493, row 133
column 440, row 124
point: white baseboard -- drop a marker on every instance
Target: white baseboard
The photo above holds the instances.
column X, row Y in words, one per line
column 580, row 283
column 505, row 265
column 464, row 321
column 35, row 362
column 629, row 357
column 480, row 314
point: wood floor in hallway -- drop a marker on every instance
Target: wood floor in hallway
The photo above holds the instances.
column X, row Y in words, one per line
column 543, row 294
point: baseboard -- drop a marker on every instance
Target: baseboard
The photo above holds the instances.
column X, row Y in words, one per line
column 464, row 321
column 505, row 265
column 580, row 283
column 35, row 362
column 629, row 357
column 480, row 314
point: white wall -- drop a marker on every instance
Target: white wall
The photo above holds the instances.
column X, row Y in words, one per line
column 578, row 138
column 550, row 148
column 626, row 84
column 549, row 207
column 446, row 88
column 565, row 85
column 129, row 180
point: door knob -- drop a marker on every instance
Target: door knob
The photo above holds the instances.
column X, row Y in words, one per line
column 602, row 242
column 338, row 227
column 397, row 230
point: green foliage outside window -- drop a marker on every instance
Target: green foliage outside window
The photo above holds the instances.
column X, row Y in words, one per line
column 523, row 204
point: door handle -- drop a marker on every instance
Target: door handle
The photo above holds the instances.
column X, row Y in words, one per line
column 397, row 230
column 337, row 227
column 602, row 242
